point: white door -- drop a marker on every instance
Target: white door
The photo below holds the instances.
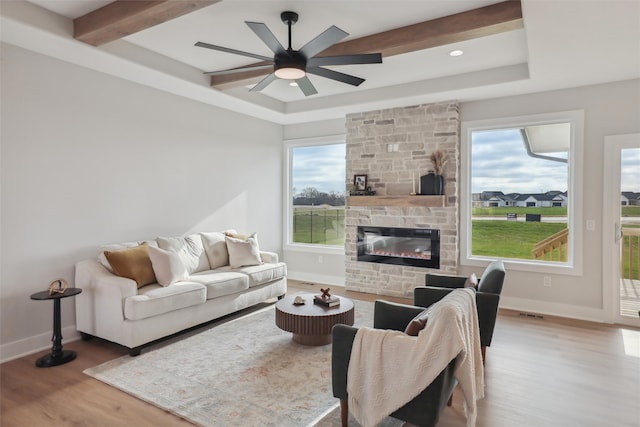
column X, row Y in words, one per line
column 621, row 228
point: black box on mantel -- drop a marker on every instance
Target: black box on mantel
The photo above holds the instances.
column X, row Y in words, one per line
column 431, row 184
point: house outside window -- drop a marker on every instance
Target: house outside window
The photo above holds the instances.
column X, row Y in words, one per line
column 315, row 186
column 520, row 184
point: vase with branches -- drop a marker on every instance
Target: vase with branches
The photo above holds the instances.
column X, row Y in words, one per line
column 439, row 160
column 433, row 182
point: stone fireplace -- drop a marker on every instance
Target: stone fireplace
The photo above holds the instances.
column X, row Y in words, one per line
column 392, row 147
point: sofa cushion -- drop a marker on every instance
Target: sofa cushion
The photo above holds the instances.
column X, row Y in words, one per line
column 220, row 283
column 260, row 274
column 243, row 252
column 132, row 263
column 215, row 247
column 167, row 266
column 153, row 300
column 189, row 249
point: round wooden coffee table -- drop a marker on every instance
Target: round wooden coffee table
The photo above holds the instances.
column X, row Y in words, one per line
column 310, row 323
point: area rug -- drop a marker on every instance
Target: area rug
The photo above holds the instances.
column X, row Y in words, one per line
column 245, row 372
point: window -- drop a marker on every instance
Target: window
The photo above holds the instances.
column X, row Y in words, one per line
column 521, row 186
column 316, row 193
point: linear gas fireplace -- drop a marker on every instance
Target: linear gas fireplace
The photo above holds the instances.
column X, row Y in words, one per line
column 417, row 247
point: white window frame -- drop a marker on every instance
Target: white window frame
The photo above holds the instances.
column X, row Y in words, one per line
column 575, row 190
column 287, row 225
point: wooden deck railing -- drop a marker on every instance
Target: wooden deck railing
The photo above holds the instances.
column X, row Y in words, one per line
column 630, row 253
column 553, row 248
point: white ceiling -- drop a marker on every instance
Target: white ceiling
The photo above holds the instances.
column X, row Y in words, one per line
column 564, row 43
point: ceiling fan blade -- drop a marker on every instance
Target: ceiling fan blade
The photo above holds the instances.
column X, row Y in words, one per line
column 238, row 70
column 365, row 58
column 263, row 83
column 306, row 86
column 266, row 36
column 335, row 75
column 234, row 51
column 328, row 37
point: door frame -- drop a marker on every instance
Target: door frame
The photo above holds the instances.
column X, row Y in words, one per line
column 613, row 146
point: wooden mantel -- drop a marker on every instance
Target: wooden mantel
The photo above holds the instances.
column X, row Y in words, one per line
column 398, row 201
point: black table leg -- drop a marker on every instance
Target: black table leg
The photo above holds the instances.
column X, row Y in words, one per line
column 57, row 356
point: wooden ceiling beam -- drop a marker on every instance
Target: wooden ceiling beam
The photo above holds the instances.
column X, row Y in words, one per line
column 124, row 17
column 484, row 21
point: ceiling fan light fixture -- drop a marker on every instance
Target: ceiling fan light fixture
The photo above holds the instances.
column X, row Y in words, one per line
column 290, row 65
column 290, row 73
column 456, row 52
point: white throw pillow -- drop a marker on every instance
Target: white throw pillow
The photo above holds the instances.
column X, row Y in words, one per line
column 167, row 266
column 243, row 253
column 215, row 247
column 189, row 249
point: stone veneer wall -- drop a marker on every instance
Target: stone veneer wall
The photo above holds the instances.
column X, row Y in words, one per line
column 417, row 131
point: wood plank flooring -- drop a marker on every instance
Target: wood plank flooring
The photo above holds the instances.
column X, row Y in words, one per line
column 539, row 372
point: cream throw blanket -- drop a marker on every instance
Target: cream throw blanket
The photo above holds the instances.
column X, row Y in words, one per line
column 389, row 368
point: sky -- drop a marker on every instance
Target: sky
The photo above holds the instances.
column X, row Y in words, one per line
column 499, row 163
column 322, row 167
column 630, row 177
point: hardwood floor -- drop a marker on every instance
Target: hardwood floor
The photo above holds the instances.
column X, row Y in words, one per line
column 539, row 372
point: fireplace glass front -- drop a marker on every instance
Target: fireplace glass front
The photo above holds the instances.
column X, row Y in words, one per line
column 417, row 247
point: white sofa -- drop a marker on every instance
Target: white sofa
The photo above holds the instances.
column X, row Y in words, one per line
column 196, row 279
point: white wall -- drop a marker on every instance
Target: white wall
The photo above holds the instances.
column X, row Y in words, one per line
column 88, row 159
column 609, row 109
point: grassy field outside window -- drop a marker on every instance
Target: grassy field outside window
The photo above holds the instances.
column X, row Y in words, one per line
column 318, row 225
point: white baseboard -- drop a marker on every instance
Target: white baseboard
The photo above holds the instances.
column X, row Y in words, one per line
column 316, row 278
column 26, row 346
column 554, row 309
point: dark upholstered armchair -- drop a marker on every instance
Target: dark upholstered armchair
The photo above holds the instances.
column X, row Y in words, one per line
column 437, row 286
column 424, row 409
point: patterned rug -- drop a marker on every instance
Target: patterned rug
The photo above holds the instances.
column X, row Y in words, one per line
column 245, row 372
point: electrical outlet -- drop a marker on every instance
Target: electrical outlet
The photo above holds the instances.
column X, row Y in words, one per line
column 591, row 225
column 320, row 260
column 546, row 281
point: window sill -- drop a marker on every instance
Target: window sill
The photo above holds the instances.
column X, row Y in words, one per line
column 317, row 249
column 525, row 265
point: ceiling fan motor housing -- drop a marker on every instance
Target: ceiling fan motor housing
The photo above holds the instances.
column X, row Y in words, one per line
column 289, row 59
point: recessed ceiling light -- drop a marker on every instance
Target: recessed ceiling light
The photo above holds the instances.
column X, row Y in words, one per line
column 293, row 83
column 456, row 52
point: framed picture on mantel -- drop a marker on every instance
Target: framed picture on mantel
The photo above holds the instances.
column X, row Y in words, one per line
column 360, row 181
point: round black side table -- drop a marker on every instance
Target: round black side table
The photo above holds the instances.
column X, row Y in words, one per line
column 57, row 356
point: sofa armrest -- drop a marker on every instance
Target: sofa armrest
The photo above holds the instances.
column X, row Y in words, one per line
column 100, row 305
column 342, row 336
column 269, row 257
column 391, row 315
column 487, row 304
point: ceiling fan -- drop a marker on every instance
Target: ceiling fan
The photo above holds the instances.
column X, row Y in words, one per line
column 294, row 65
